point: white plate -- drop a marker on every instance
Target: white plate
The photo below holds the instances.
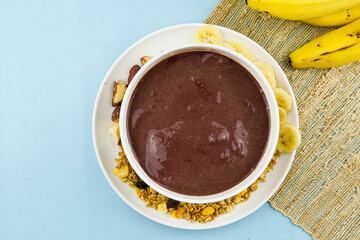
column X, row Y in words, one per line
column 106, row 151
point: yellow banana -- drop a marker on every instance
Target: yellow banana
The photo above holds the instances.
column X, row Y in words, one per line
column 336, row 19
column 282, row 115
column 208, row 34
column 301, row 9
column 283, row 99
column 289, row 138
column 337, row 58
column 240, row 48
column 332, row 49
column 268, row 72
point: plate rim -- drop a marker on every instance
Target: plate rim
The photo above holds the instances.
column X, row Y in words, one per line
column 195, row 226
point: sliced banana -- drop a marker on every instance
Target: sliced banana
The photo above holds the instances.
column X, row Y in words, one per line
column 289, row 138
column 208, row 34
column 283, row 115
column 268, row 72
column 283, row 99
column 115, row 133
column 240, row 48
column 227, row 45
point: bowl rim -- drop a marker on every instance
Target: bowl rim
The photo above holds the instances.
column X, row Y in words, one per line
column 272, row 137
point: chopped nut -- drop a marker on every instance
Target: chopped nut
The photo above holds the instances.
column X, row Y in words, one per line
column 122, row 170
column 118, row 92
column 121, row 150
column 242, row 193
column 208, row 211
column 238, row 199
column 162, row 208
column 174, row 214
column 137, row 191
column 116, row 113
column 247, row 195
column 114, row 132
column 145, row 59
column 178, row 213
column 132, row 72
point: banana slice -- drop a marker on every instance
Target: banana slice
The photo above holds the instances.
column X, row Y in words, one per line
column 268, row 72
column 283, row 99
column 283, row 115
column 227, row 45
column 208, row 34
column 289, row 138
column 240, row 48
column 115, row 133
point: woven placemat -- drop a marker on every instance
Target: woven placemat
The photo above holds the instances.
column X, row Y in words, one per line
column 322, row 190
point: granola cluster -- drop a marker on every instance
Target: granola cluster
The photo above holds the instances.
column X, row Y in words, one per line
column 200, row 213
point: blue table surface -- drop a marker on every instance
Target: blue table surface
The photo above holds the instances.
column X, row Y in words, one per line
column 53, row 57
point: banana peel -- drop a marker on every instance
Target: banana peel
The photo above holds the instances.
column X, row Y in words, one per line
column 335, row 48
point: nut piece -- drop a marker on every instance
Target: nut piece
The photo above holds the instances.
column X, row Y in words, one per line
column 118, row 92
column 114, row 132
column 240, row 196
column 208, row 211
column 145, row 59
column 162, row 208
column 132, row 72
column 238, row 199
column 122, row 170
column 137, row 191
column 242, row 193
column 116, row 113
column 178, row 213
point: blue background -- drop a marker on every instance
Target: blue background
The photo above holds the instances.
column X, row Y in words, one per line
column 53, row 57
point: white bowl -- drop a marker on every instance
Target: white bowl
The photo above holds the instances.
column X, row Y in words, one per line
column 273, row 131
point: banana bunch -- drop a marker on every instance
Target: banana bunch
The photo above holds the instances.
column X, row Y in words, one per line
column 339, row 47
column 289, row 135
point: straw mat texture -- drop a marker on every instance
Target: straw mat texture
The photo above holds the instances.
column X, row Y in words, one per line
column 322, row 191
